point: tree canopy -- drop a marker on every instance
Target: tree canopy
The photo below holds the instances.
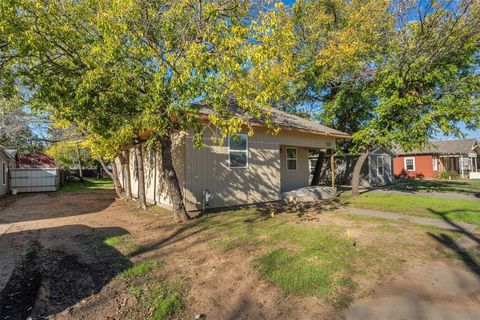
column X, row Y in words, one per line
column 389, row 72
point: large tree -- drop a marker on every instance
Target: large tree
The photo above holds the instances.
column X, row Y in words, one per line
column 116, row 69
column 389, row 72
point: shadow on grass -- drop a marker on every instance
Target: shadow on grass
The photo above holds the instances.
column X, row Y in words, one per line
column 414, row 185
column 463, row 254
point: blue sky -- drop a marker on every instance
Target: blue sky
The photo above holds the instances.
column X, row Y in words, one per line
column 468, row 133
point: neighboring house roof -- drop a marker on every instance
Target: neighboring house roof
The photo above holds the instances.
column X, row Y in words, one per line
column 280, row 118
column 36, row 160
column 6, row 154
column 462, row 146
column 12, row 152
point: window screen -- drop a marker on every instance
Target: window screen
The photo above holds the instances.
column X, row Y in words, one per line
column 380, row 166
column 291, row 159
column 410, row 164
column 238, row 151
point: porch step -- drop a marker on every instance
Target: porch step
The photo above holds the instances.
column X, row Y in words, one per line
column 309, row 194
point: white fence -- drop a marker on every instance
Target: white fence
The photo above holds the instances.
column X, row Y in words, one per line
column 34, row 180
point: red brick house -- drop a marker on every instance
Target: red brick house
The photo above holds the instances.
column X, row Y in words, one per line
column 460, row 156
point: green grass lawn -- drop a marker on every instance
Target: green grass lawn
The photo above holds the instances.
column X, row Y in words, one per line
column 423, row 206
column 86, row 185
column 458, row 186
column 306, row 260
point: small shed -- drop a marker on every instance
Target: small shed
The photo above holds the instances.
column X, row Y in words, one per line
column 35, row 172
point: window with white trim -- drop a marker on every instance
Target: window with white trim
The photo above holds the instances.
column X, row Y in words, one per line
column 380, row 166
column 238, row 151
column 4, row 173
column 435, row 164
column 409, row 163
column 291, row 154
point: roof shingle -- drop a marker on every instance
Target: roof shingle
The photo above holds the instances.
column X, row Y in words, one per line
column 461, row 146
column 279, row 118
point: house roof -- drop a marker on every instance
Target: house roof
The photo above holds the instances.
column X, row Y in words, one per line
column 12, row 152
column 461, row 146
column 5, row 152
column 279, row 118
column 36, row 160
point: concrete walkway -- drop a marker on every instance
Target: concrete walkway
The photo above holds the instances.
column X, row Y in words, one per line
column 454, row 226
column 443, row 195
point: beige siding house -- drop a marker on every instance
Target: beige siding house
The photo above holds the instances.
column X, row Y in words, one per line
column 245, row 169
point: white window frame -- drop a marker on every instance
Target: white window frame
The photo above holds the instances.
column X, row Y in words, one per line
column 245, row 151
column 405, row 163
column 382, row 166
column 287, row 158
column 435, row 163
column 4, row 173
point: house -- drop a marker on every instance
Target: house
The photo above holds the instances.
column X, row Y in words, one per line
column 457, row 157
column 7, row 162
column 36, row 160
column 377, row 169
column 245, row 169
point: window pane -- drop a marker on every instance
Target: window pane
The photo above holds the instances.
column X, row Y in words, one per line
column 238, row 142
column 313, row 163
column 292, row 164
column 291, row 153
column 380, row 166
column 238, row 159
column 409, row 163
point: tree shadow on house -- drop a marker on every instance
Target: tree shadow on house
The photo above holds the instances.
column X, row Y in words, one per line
column 56, row 270
column 466, row 249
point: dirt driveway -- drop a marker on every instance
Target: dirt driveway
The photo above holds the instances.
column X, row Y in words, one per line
column 47, row 265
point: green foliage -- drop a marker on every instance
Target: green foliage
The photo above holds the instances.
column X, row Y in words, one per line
column 389, row 72
column 67, row 153
column 443, row 175
column 115, row 69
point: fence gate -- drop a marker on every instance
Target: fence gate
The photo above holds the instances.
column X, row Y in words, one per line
column 33, row 179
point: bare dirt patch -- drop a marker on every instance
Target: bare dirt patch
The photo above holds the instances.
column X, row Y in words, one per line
column 209, row 255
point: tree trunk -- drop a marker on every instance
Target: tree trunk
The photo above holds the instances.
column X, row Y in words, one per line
column 142, row 200
column 114, row 175
column 80, row 172
column 172, row 180
column 125, row 161
column 356, row 173
column 318, row 169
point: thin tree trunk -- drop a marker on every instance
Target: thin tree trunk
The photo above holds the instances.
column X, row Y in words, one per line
column 356, row 173
column 80, row 172
column 114, row 175
column 142, row 200
column 125, row 161
column 318, row 168
column 172, row 179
